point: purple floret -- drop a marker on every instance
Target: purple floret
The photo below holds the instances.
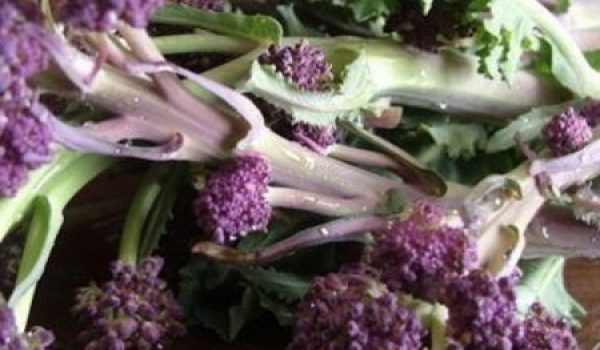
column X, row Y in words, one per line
column 25, row 142
column 353, row 311
column 418, row 254
column 10, row 339
column 482, row 312
column 567, row 132
column 209, row 5
column 301, row 64
column 135, row 310
column 103, row 15
column 233, row 202
column 544, row 332
column 22, row 53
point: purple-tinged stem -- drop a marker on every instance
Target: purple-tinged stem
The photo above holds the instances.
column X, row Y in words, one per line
column 333, row 231
column 295, row 165
column 126, row 128
column 114, row 54
column 571, row 168
column 361, row 156
column 171, row 87
column 556, row 231
column 319, row 203
column 240, row 103
column 79, row 140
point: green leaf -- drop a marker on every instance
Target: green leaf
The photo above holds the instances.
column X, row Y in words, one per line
column 528, row 126
column 171, row 178
column 258, row 27
column 286, row 286
column 543, row 282
column 283, row 312
column 353, row 94
column 459, row 140
column 503, row 38
column 293, row 25
column 241, row 314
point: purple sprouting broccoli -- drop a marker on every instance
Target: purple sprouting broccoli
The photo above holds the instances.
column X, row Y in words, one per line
column 545, row 332
column 134, row 310
column 209, row 5
column 103, row 15
column 567, row 132
column 351, row 310
column 307, row 68
column 444, row 22
column 418, row 254
column 482, row 312
column 233, row 201
column 37, row 338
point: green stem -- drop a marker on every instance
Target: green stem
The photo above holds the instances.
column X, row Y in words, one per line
column 189, row 43
column 45, row 225
column 141, row 206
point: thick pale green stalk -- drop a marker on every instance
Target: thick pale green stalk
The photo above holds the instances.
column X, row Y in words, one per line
column 14, row 209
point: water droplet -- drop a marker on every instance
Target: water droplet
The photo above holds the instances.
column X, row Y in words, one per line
column 545, row 232
column 324, row 231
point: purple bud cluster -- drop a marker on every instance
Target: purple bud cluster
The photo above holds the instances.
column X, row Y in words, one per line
column 104, row 15
column 233, row 201
column 24, row 136
column 353, row 311
column 417, row 254
column 567, row 132
column 25, row 142
column 208, row 5
column 22, row 53
column 302, row 64
column 134, row 310
column 482, row 312
column 544, row 332
column 10, row 338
